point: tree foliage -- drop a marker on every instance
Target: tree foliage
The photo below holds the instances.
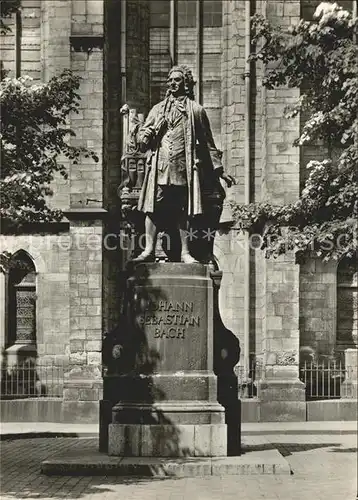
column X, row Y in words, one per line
column 7, row 9
column 34, row 142
column 320, row 57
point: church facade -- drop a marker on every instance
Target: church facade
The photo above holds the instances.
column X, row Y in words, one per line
column 60, row 309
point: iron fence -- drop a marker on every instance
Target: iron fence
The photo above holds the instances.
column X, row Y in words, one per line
column 247, row 380
column 45, row 379
column 32, row 380
column 323, row 380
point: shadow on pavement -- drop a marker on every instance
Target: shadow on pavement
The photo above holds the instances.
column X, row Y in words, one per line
column 21, row 462
column 287, row 449
column 21, row 476
column 345, row 450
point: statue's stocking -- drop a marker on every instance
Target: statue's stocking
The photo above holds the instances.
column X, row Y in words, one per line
column 183, row 231
column 151, row 232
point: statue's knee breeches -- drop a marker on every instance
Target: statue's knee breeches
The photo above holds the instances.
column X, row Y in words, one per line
column 171, row 201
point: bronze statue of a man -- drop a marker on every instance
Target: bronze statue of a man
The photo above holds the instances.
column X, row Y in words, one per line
column 181, row 153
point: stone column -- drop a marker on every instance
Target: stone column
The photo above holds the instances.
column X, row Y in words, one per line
column 229, row 248
column 55, row 33
column 83, row 383
column 3, row 308
column 126, row 80
column 281, row 393
column 349, row 388
column 137, row 55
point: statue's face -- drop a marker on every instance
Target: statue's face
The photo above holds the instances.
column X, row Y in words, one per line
column 175, row 83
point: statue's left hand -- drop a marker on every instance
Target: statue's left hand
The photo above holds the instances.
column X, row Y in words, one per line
column 229, row 179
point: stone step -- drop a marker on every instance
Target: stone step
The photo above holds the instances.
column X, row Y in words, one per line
column 267, row 461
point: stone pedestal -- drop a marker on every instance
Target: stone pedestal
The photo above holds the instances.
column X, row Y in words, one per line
column 280, row 391
column 282, row 400
column 82, row 390
column 349, row 388
column 168, row 393
column 282, row 395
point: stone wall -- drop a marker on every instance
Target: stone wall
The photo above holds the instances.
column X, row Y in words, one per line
column 112, row 141
column 86, row 176
column 229, row 248
column 282, row 159
column 50, row 256
column 30, row 49
column 126, row 82
column 318, row 282
column 274, row 162
column 281, row 326
column 79, row 285
column 31, row 38
column 69, row 304
column 85, row 293
column 84, row 380
column 137, row 55
column 8, row 59
column 280, row 391
column 280, row 184
column 211, row 85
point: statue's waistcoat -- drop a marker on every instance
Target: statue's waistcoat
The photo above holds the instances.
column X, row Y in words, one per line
column 171, row 155
column 193, row 126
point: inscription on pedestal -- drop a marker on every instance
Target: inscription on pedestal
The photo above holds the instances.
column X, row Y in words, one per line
column 175, row 315
column 172, row 333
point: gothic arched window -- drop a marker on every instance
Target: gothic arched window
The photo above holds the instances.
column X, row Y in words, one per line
column 22, row 300
column 347, row 303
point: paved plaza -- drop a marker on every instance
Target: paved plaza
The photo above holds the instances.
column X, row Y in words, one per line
column 324, row 467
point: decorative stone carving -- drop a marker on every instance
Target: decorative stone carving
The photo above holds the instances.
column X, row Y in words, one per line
column 287, row 358
column 132, row 162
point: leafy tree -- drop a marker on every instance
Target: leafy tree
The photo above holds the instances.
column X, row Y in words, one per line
column 320, row 57
column 35, row 141
column 7, row 8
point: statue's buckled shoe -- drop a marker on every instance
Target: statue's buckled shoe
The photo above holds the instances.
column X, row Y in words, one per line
column 144, row 257
column 188, row 259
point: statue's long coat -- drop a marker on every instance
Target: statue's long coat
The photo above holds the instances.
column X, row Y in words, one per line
column 202, row 157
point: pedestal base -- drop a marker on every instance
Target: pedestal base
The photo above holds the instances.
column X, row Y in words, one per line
column 203, row 440
column 349, row 389
column 169, row 412
column 282, row 400
column 82, row 391
column 165, row 402
column 259, row 458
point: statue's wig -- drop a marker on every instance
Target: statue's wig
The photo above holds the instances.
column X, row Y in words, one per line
column 189, row 82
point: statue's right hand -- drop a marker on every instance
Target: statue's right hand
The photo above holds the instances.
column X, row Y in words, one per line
column 145, row 138
column 149, row 131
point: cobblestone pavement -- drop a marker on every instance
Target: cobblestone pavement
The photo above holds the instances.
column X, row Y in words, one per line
column 324, row 466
